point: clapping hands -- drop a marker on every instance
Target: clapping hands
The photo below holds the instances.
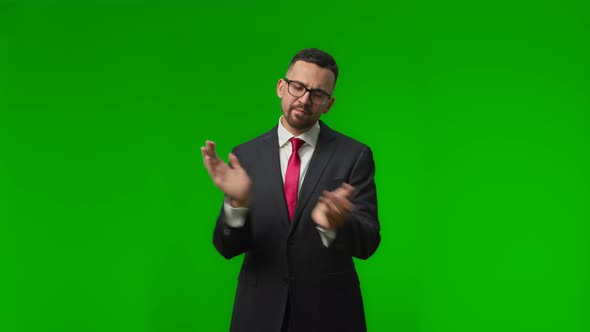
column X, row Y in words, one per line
column 333, row 207
column 232, row 180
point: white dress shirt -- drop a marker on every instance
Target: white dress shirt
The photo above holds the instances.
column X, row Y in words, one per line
column 236, row 217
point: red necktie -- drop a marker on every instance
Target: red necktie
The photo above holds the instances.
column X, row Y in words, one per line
column 292, row 176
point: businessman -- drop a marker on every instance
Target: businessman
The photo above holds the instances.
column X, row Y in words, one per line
column 300, row 202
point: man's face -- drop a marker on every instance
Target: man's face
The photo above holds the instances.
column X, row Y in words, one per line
column 300, row 113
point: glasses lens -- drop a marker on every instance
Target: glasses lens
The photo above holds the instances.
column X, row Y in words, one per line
column 319, row 97
column 296, row 89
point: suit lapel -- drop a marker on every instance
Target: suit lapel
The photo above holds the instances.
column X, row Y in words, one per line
column 321, row 156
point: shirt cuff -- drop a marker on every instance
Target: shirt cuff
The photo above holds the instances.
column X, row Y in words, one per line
column 327, row 235
column 234, row 217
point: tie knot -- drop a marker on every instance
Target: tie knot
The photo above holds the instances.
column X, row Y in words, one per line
column 296, row 143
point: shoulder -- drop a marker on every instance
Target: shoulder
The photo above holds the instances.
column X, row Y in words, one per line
column 257, row 142
column 342, row 140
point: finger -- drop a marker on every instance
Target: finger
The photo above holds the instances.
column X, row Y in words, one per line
column 327, row 210
column 210, row 147
column 234, row 161
column 321, row 205
column 345, row 189
column 334, row 217
column 334, row 214
column 209, row 150
column 215, row 166
column 331, row 207
column 339, row 201
column 209, row 158
column 203, row 152
column 210, row 166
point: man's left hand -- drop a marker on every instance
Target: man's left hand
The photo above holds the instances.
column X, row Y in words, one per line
column 333, row 207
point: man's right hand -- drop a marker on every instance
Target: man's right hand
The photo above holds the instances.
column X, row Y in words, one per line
column 233, row 181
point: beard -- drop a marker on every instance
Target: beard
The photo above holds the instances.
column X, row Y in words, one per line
column 301, row 120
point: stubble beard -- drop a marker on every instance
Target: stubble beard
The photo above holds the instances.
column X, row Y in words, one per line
column 297, row 120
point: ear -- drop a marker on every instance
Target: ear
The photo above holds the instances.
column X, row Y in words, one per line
column 329, row 106
column 280, row 88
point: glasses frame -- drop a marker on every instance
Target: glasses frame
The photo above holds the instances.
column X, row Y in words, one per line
column 307, row 90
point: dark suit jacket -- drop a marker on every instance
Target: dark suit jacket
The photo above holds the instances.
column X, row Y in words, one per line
column 287, row 261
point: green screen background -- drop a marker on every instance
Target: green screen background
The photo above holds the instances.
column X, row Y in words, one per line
column 477, row 112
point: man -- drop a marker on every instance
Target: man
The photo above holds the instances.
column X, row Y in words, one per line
column 300, row 202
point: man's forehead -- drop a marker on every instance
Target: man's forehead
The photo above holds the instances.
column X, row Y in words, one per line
column 310, row 73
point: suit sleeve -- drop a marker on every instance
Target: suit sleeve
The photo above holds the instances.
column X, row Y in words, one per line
column 230, row 241
column 359, row 236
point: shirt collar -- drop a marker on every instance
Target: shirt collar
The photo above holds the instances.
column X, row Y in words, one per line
column 310, row 136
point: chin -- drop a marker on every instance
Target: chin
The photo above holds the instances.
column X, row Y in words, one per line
column 298, row 125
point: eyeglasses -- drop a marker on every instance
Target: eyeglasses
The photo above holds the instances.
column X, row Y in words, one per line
column 297, row 89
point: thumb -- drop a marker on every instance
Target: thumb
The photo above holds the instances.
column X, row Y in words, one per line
column 234, row 161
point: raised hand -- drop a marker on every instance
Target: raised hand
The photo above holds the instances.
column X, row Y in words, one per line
column 233, row 181
column 333, row 207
